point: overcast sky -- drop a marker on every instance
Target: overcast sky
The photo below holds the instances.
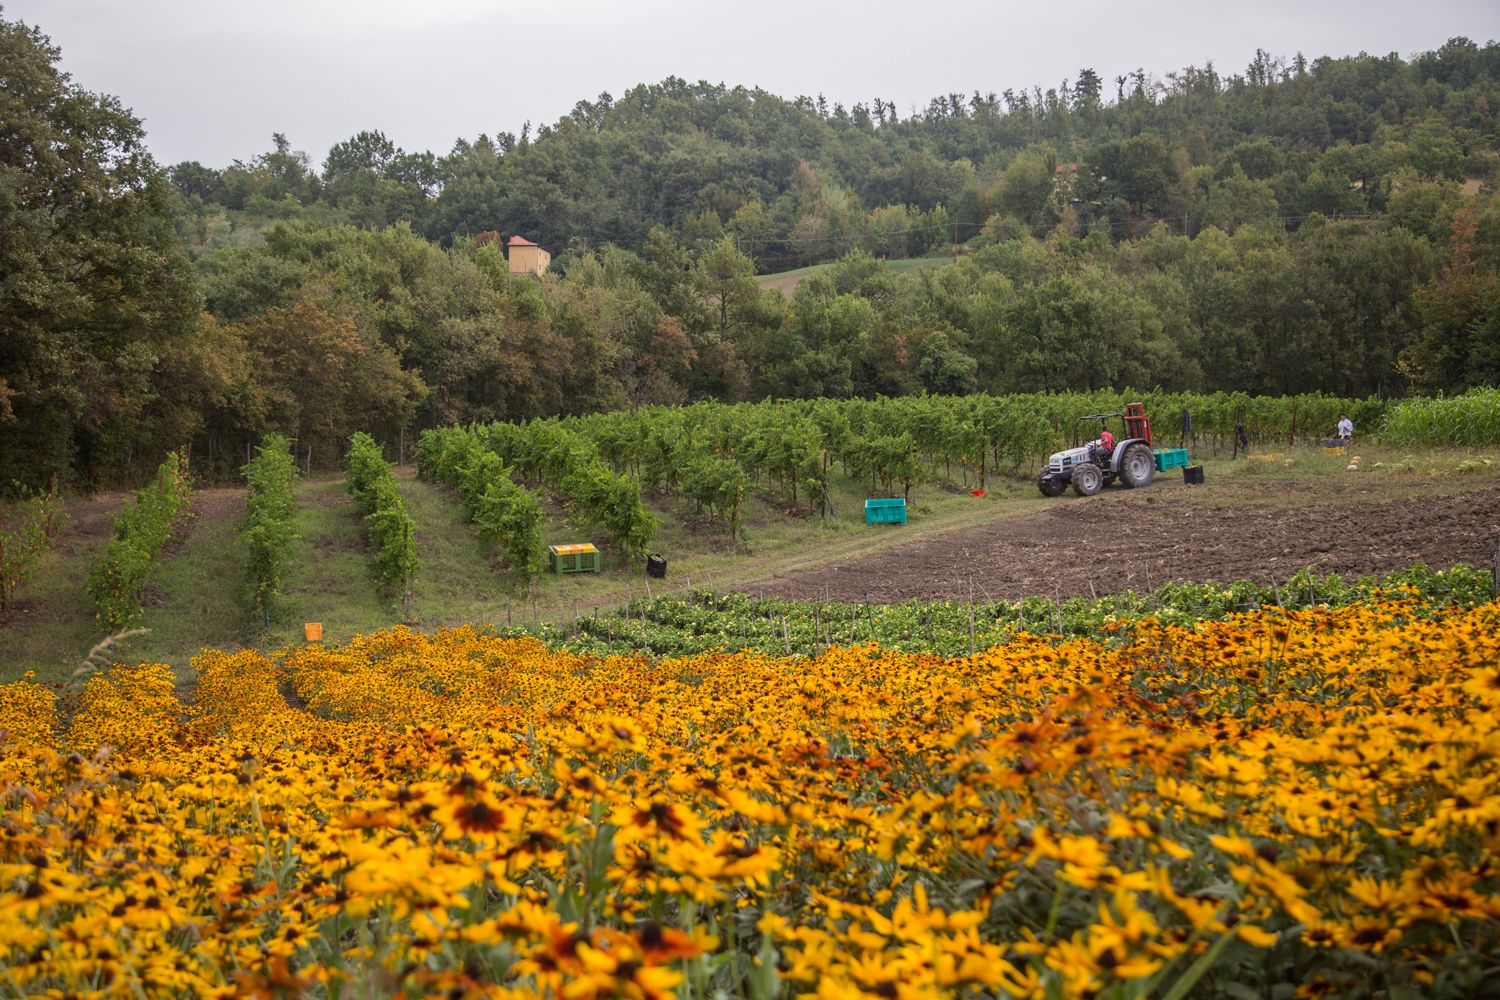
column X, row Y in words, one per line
column 213, row 79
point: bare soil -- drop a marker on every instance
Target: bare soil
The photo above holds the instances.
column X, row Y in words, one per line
column 1134, row 540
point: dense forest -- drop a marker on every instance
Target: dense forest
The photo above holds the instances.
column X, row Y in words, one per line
column 1298, row 227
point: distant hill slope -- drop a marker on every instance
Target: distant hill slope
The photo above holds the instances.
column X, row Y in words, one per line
column 787, row 175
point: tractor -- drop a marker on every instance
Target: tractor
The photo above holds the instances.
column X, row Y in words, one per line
column 1092, row 466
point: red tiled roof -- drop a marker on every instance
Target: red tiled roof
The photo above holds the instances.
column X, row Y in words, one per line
column 520, row 241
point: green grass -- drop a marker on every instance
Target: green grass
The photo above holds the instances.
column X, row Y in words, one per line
column 786, row 281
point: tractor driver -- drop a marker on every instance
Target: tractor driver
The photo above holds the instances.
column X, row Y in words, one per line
column 1106, row 445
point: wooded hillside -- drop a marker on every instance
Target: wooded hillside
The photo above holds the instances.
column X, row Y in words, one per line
column 1321, row 226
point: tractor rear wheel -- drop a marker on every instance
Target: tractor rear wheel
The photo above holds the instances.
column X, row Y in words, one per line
column 1137, row 466
column 1087, row 479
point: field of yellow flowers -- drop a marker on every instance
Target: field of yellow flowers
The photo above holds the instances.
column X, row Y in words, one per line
column 1298, row 803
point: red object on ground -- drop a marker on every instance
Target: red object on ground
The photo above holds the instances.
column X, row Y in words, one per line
column 977, row 493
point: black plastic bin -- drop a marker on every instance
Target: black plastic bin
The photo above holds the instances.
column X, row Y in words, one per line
column 1192, row 475
column 656, row 566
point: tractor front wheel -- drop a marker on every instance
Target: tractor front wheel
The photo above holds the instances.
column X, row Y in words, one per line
column 1087, row 479
column 1137, row 466
column 1052, row 486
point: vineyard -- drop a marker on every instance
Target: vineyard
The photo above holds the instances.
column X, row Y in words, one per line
column 391, row 527
column 710, row 454
column 130, row 558
column 267, row 528
column 1285, row 802
column 898, row 443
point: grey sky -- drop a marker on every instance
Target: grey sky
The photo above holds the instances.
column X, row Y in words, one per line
column 213, row 80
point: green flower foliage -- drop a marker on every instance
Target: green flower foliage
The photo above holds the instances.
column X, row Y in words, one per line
column 505, row 512
column 130, row 558
column 267, row 527
column 677, row 624
column 392, row 530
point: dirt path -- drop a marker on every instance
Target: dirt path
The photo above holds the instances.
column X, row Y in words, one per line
column 1116, row 539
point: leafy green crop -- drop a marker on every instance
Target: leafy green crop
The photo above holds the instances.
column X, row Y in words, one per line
column 1471, row 420
column 705, row 622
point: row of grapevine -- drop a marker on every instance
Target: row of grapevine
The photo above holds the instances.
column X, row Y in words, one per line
column 267, row 527
column 1471, row 420
column 21, row 548
column 392, row 531
column 545, row 451
column 130, row 558
column 898, row 443
column 508, row 514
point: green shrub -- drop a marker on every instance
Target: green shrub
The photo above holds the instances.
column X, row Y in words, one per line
column 130, row 558
column 392, row 530
column 267, row 527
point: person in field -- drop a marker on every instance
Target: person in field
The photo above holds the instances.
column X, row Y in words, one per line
column 1106, row 444
column 1346, row 428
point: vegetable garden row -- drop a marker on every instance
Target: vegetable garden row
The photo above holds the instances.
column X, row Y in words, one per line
column 690, row 621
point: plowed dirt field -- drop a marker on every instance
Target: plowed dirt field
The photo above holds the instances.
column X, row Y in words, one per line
column 1134, row 540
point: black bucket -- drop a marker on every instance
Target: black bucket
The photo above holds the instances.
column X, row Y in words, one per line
column 1192, row 475
column 656, row 566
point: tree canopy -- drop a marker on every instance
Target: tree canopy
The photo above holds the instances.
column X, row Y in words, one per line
column 795, row 181
column 97, row 302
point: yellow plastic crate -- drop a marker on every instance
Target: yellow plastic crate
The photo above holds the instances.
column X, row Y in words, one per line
column 581, row 558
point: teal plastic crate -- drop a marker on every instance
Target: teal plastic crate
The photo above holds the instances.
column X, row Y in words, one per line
column 891, row 511
column 1170, row 458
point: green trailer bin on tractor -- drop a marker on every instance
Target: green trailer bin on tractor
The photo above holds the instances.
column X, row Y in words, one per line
column 891, row 511
column 584, row 558
column 1170, row 458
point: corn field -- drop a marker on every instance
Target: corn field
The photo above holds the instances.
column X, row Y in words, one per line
column 1471, row 420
